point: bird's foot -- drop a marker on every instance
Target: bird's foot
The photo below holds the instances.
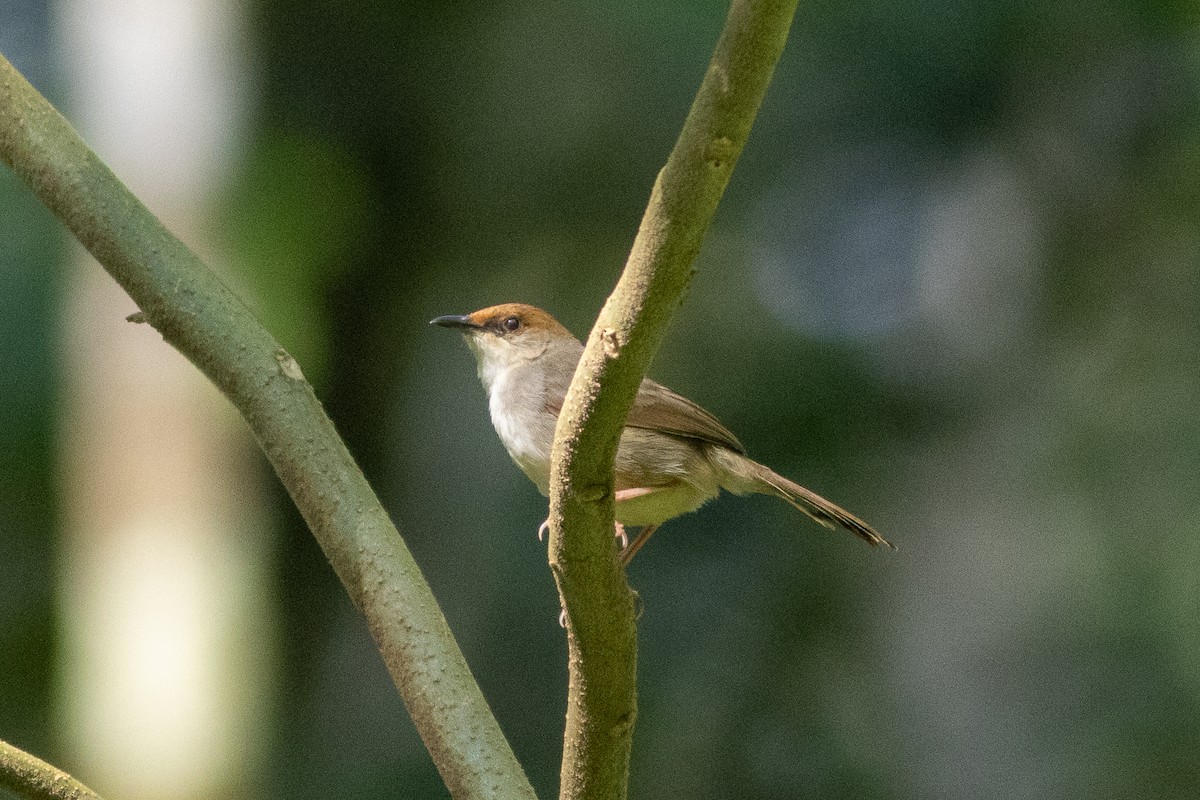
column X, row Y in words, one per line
column 618, row 531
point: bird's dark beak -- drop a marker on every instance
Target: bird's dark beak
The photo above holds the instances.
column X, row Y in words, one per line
column 461, row 321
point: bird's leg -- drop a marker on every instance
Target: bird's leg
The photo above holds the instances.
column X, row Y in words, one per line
column 629, row 494
column 618, row 529
column 631, row 549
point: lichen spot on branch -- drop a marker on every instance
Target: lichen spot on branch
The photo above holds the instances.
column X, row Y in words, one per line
column 288, row 365
column 612, row 345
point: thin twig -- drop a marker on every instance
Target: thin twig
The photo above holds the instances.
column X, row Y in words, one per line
column 29, row 777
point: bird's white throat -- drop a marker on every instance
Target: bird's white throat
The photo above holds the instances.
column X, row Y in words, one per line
column 516, row 401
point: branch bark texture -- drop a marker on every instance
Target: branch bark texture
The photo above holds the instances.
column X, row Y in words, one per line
column 601, row 629
column 29, row 777
column 200, row 317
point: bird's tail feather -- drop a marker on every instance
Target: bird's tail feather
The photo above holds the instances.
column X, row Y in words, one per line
column 827, row 513
column 754, row 477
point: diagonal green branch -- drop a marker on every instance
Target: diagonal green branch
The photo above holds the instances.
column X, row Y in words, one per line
column 29, row 777
column 602, row 636
column 200, row 317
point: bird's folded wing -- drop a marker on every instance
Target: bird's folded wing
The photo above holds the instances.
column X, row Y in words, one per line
column 657, row 408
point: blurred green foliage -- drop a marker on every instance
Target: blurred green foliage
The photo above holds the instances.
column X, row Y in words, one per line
column 953, row 286
column 30, row 248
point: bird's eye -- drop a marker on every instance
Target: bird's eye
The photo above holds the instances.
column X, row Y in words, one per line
column 511, row 324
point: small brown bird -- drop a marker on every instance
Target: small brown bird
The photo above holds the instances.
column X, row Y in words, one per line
column 673, row 455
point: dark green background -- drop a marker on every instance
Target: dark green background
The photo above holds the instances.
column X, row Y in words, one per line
column 953, row 285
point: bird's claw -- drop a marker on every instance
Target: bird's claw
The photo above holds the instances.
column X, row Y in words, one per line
column 618, row 531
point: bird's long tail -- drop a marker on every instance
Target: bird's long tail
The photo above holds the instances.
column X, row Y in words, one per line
column 754, row 477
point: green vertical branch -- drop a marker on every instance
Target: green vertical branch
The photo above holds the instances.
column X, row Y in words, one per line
column 601, row 630
column 200, row 317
